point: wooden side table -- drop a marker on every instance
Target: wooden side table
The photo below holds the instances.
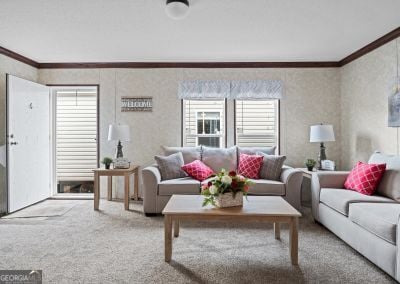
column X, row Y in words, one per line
column 116, row 172
column 308, row 174
column 306, row 185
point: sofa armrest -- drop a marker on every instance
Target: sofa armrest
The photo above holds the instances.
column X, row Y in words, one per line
column 329, row 179
column 292, row 178
column 151, row 178
column 397, row 276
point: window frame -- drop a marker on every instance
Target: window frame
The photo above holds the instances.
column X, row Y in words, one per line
column 225, row 136
column 278, row 144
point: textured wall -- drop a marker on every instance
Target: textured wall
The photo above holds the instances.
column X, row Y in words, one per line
column 352, row 98
column 13, row 67
column 365, row 85
column 311, row 96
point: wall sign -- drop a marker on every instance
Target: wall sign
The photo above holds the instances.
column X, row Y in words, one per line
column 136, row 104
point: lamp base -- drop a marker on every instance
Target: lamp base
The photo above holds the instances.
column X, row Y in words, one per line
column 119, row 151
column 321, row 156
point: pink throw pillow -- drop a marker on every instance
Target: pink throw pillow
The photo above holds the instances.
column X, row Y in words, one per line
column 250, row 165
column 364, row 178
column 198, row 170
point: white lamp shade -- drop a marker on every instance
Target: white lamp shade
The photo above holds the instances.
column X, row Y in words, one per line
column 177, row 9
column 3, row 160
column 119, row 132
column 322, row 133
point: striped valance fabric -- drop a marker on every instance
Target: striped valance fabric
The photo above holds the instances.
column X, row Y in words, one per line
column 221, row 89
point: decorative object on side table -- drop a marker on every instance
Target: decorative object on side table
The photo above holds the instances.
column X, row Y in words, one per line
column 321, row 133
column 107, row 162
column 121, row 163
column 225, row 190
column 310, row 164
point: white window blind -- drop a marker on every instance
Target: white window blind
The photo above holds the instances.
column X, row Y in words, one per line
column 257, row 123
column 76, row 134
column 204, row 123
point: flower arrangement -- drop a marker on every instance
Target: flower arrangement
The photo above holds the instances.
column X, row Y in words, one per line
column 225, row 183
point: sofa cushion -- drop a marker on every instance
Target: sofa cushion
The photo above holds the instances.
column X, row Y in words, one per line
column 198, row 170
column 377, row 218
column 170, row 166
column 189, row 153
column 254, row 150
column 219, row 158
column 185, row 185
column 250, row 165
column 272, row 166
column 340, row 199
column 364, row 178
column 266, row 187
column 389, row 185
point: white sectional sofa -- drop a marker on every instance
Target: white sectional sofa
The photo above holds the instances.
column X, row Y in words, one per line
column 367, row 223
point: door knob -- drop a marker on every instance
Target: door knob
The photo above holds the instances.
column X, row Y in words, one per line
column 13, row 143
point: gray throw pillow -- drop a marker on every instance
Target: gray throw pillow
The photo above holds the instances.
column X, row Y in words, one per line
column 189, row 154
column 171, row 166
column 272, row 166
column 220, row 158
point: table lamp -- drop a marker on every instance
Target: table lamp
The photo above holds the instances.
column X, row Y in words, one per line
column 321, row 133
column 119, row 132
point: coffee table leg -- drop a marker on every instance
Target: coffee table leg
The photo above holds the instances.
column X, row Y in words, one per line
column 293, row 239
column 277, row 230
column 168, row 237
column 176, row 228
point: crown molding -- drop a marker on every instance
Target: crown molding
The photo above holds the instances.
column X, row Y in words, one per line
column 370, row 47
column 147, row 65
column 18, row 57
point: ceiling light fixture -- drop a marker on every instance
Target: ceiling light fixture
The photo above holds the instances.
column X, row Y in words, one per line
column 177, row 9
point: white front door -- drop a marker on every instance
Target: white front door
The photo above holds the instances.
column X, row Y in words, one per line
column 28, row 148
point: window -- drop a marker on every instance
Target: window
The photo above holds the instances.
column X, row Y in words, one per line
column 76, row 138
column 204, row 123
column 257, row 123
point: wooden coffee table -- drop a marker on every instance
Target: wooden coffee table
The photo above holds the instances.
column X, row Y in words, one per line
column 273, row 209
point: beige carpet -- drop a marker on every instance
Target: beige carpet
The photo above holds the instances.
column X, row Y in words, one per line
column 118, row 246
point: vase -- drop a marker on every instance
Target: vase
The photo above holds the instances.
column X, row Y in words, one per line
column 107, row 166
column 310, row 168
column 227, row 200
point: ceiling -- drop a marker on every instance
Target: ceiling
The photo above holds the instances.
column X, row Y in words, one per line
column 214, row 30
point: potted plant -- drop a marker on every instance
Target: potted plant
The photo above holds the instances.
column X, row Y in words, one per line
column 225, row 190
column 310, row 164
column 107, row 162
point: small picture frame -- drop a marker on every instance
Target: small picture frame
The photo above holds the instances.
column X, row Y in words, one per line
column 328, row 165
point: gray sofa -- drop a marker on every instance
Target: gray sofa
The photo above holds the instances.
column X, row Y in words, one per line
column 367, row 223
column 157, row 192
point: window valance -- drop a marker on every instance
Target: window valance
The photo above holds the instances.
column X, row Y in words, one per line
column 256, row 90
column 204, row 90
column 221, row 89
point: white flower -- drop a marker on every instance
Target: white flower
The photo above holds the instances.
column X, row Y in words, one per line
column 213, row 189
column 226, row 179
